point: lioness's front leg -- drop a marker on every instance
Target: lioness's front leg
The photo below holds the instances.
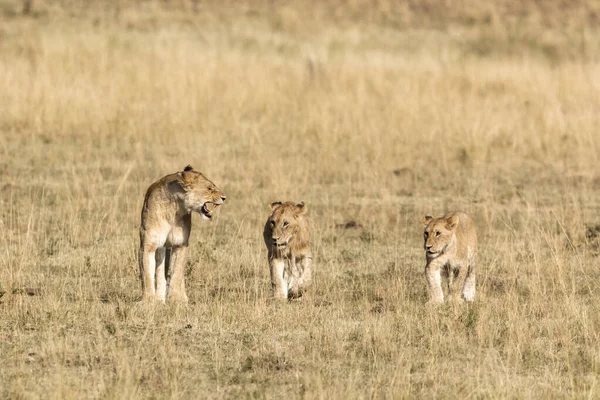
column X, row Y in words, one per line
column 434, row 281
column 177, row 268
column 147, row 261
column 278, row 282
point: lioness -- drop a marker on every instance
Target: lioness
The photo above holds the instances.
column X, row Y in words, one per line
column 165, row 229
column 451, row 250
column 287, row 240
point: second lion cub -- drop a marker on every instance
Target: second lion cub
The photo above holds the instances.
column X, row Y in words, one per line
column 451, row 250
column 287, row 240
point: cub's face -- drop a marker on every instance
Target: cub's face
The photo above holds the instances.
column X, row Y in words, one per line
column 283, row 224
column 200, row 194
column 439, row 233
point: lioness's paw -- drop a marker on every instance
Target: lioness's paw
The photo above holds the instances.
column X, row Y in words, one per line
column 149, row 303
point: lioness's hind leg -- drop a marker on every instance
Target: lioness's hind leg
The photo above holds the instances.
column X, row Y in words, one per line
column 177, row 267
column 168, row 269
column 161, row 280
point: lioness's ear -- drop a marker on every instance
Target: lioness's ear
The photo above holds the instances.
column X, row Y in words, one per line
column 188, row 168
column 427, row 219
column 188, row 176
column 275, row 205
column 452, row 222
column 300, row 208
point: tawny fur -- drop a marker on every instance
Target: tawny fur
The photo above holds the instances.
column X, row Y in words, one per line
column 286, row 236
column 451, row 250
column 165, row 230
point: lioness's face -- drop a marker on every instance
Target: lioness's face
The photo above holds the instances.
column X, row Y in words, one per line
column 438, row 234
column 283, row 224
column 201, row 195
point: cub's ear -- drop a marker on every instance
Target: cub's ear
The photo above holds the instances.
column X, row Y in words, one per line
column 427, row 219
column 275, row 205
column 301, row 208
column 188, row 168
column 452, row 222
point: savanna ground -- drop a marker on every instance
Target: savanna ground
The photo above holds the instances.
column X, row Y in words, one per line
column 374, row 114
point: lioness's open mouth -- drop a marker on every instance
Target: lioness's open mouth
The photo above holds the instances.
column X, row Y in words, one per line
column 207, row 209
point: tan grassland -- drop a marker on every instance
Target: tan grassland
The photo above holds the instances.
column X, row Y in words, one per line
column 374, row 113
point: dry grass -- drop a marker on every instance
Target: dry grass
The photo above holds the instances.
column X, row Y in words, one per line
column 376, row 117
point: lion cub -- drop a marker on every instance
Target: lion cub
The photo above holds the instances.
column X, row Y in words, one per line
column 451, row 250
column 287, row 240
column 165, row 230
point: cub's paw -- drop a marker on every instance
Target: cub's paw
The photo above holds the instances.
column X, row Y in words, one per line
column 456, row 300
column 278, row 297
column 434, row 302
column 295, row 294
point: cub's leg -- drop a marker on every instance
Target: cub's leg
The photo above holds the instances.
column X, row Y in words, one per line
column 293, row 279
column 306, row 271
column 161, row 280
column 177, row 267
column 456, row 277
column 434, row 281
column 301, row 275
column 279, row 282
column 147, row 262
column 468, row 290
